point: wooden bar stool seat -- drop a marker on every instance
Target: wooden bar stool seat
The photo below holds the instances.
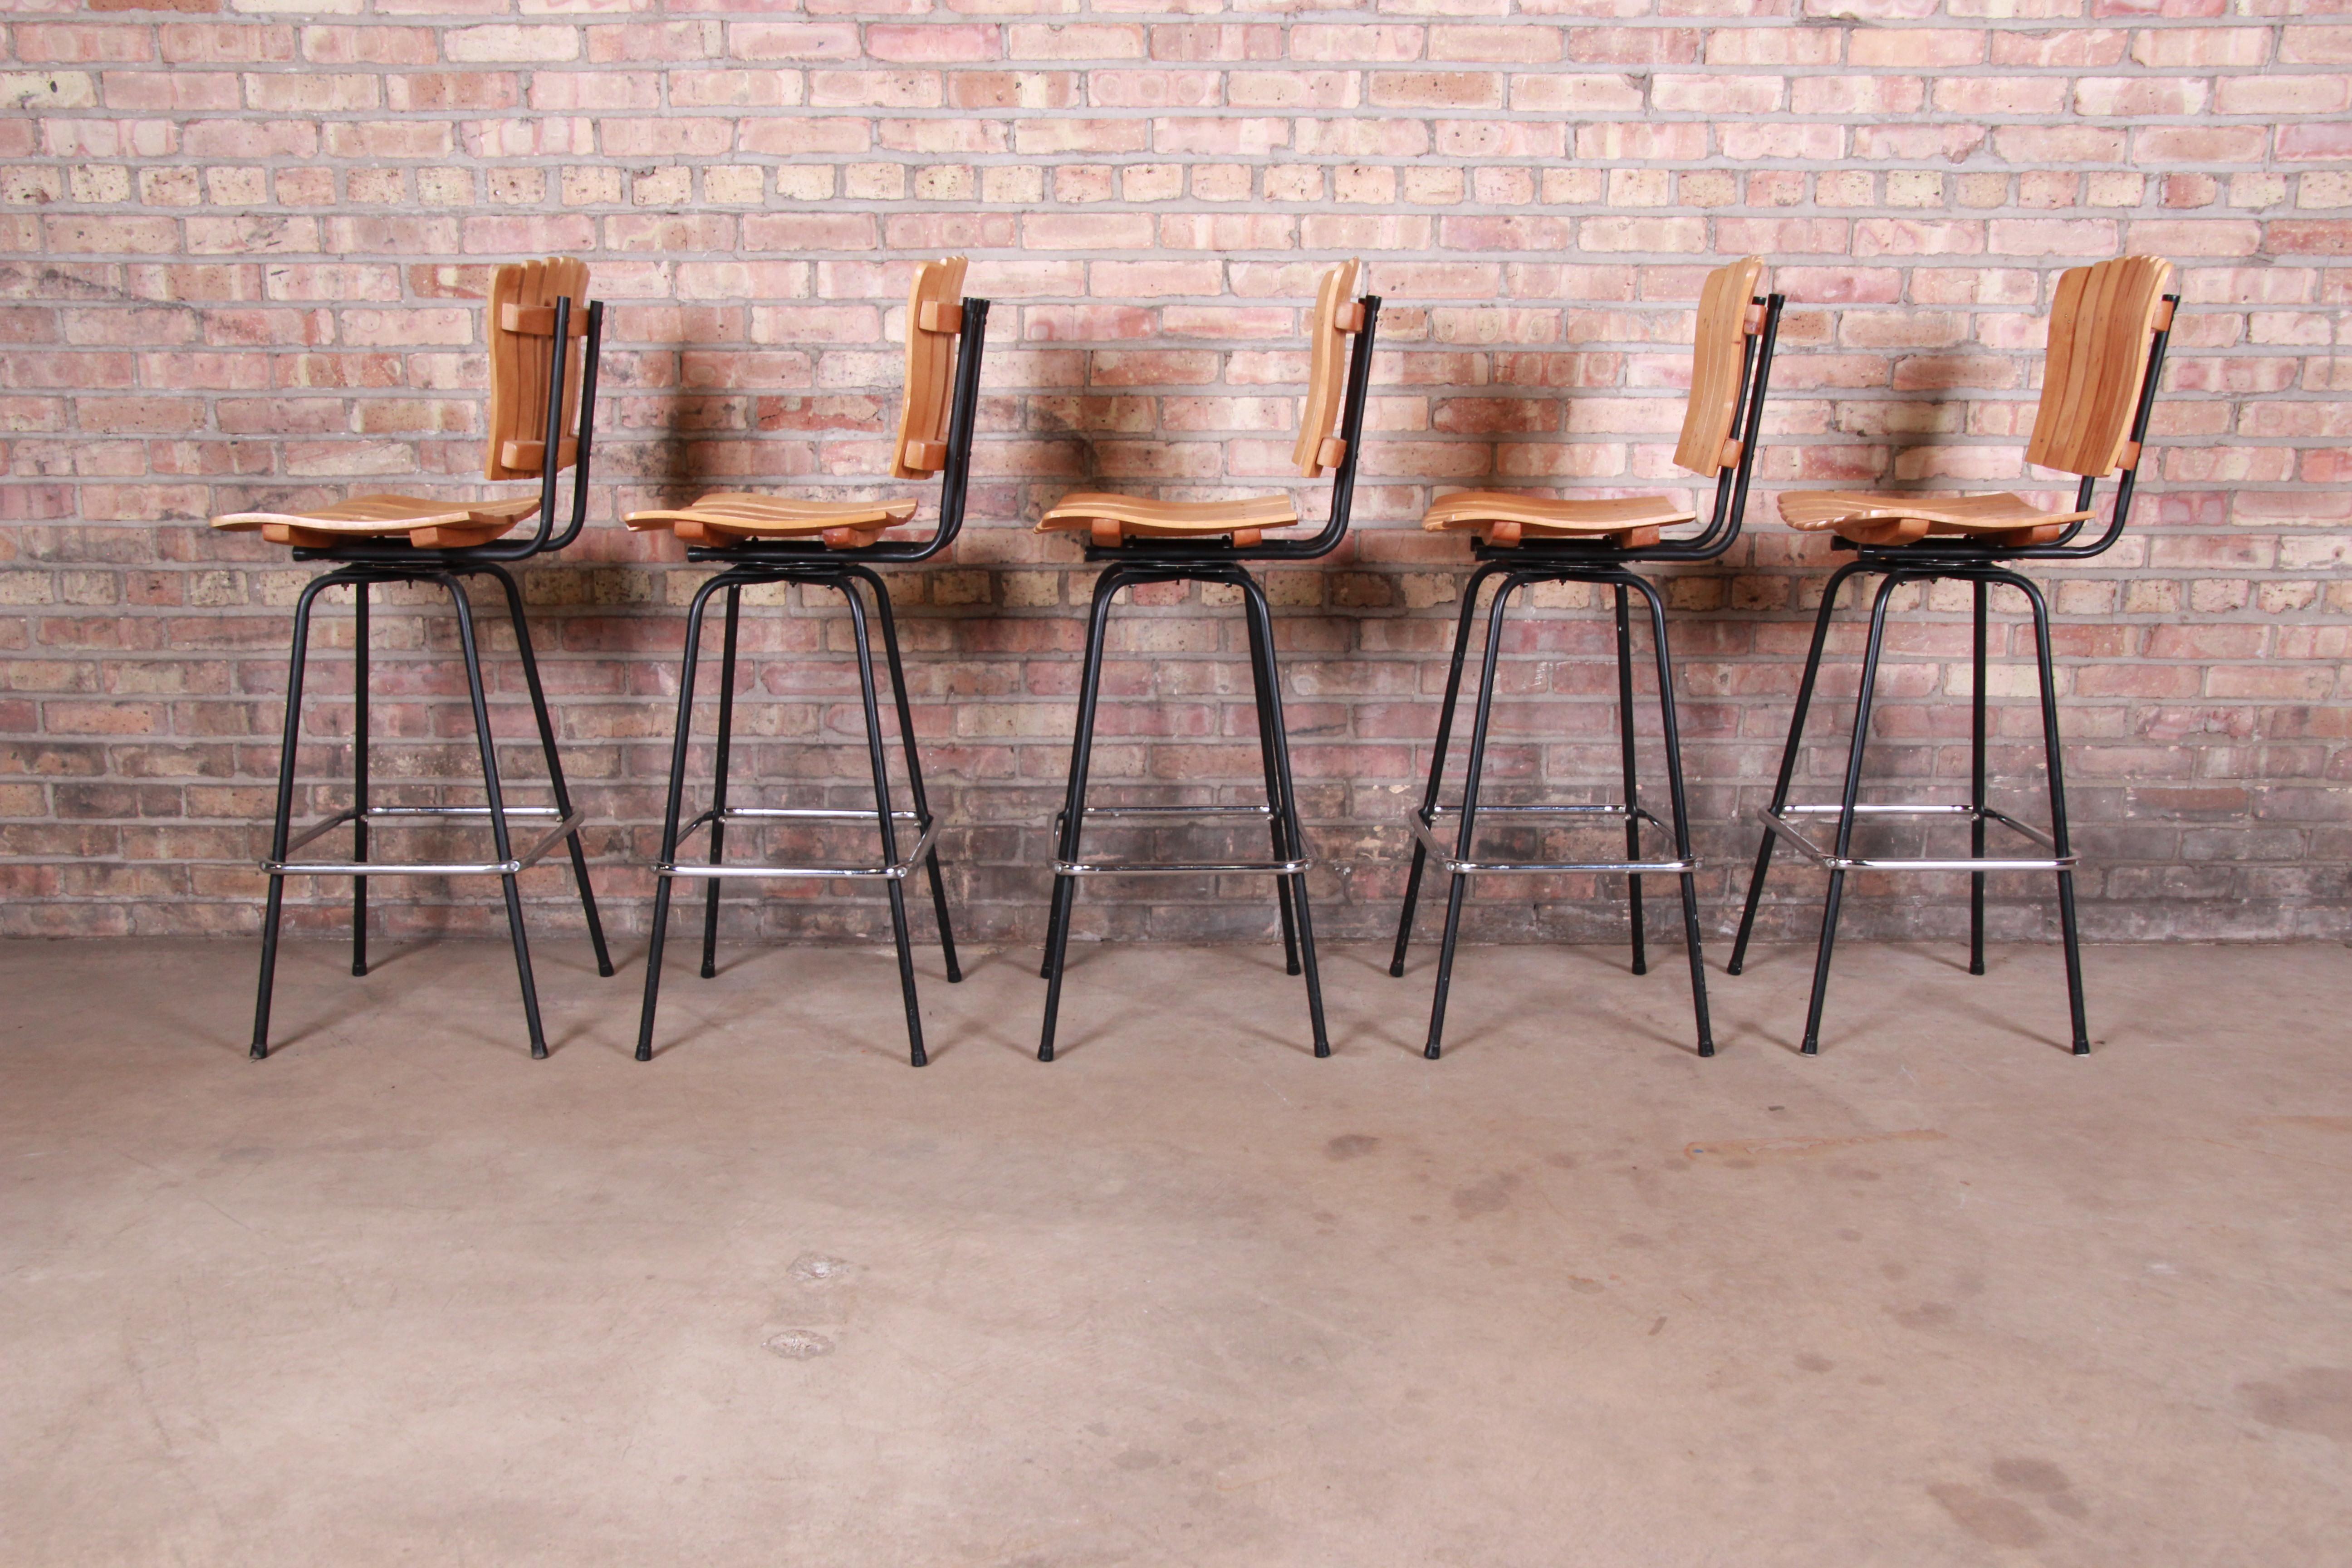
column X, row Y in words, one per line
column 428, row 524
column 1880, row 518
column 732, row 517
column 1503, row 518
column 1111, row 521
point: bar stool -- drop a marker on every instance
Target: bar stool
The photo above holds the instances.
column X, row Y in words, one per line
column 2108, row 326
column 830, row 545
column 1523, row 540
column 537, row 395
column 1140, row 541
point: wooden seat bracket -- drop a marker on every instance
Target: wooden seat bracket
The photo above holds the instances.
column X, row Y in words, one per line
column 537, row 320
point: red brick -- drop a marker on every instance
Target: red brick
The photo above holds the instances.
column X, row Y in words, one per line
column 1635, row 45
column 2006, row 96
column 2080, row 48
column 2163, row 144
column 1857, row 95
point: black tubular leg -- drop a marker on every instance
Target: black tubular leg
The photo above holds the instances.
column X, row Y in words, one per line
column 1052, row 915
column 1625, row 746
column 1074, row 805
column 282, row 827
column 1261, row 663
column 554, row 764
column 359, row 773
column 1788, row 761
column 2056, row 762
column 1812, row 1043
column 1674, row 742
column 718, row 785
column 1476, row 765
column 889, row 623
column 678, row 749
column 1291, row 843
column 1977, row 793
column 1437, row 755
column 848, row 587
column 499, row 837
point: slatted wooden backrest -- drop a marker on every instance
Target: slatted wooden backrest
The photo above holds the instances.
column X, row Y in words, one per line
column 934, row 326
column 521, row 324
column 2102, row 327
column 1725, row 319
column 1338, row 313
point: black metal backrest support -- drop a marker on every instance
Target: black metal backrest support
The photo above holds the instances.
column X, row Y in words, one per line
column 544, row 538
column 1730, row 511
column 1351, row 429
column 963, row 416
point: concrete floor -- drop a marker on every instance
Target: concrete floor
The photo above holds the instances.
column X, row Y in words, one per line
column 1944, row 1295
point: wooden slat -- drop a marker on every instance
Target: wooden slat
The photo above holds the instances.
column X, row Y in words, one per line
column 776, row 516
column 429, row 525
column 1883, row 529
column 1886, row 531
column 456, row 536
column 507, row 383
column 1716, row 351
column 2066, row 369
column 1878, row 517
column 1598, row 514
column 1108, row 519
column 525, row 457
column 1328, row 366
column 1506, row 518
column 299, row 538
column 537, row 320
column 360, row 515
column 1508, row 533
column 934, row 331
column 2103, row 320
column 521, row 318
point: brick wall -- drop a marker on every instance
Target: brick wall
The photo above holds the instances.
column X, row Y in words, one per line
column 246, row 242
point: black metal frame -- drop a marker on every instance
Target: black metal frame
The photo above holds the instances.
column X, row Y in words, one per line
column 367, row 564
column 1601, row 563
column 1208, row 560
column 761, row 561
column 1983, row 565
